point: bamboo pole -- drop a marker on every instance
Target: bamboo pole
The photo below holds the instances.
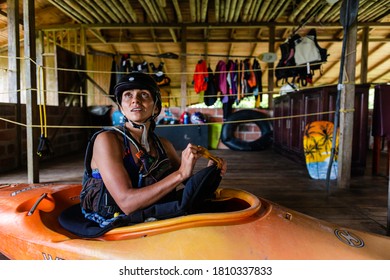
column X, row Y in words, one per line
column 271, row 10
column 307, row 10
column 120, row 11
column 98, row 10
column 203, row 14
column 227, row 9
column 238, row 10
column 154, row 8
column 177, row 10
column 232, row 10
column 264, row 8
column 63, row 7
column 217, row 9
column 192, row 10
column 297, row 10
column 107, row 10
column 245, row 13
column 324, row 11
column 74, row 7
column 91, row 10
column 255, row 10
column 129, row 10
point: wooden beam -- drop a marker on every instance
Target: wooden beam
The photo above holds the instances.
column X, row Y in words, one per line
column 13, row 51
column 245, row 13
column 238, row 10
column 119, row 10
column 107, row 10
column 364, row 56
column 31, row 93
column 14, row 70
column 192, row 10
column 183, row 69
column 298, row 10
column 272, row 9
column 129, row 9
column 217, row 8
column 203, row 13
column 244, row 25
column 61, row 5
column 75, row 7
column 347, row 106
column 271, row 83
column 177, row 10
column 278, row 10
column 98, row 11
column 91, row 9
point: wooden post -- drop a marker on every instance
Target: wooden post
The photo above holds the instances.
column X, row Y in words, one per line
column 364, row 56
column 347, row 100
column 31, row 92
column 183, row 66
column 388, row 203
column 14, row 69
column 271, row 48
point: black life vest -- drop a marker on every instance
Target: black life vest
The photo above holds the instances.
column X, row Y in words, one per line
column 94, row 195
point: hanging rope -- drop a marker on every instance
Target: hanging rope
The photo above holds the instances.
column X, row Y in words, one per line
column 44, row 146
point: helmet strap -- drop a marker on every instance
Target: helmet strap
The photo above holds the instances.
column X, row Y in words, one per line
column 144, row 137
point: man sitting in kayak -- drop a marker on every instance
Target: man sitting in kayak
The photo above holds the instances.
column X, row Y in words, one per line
column 129, row 170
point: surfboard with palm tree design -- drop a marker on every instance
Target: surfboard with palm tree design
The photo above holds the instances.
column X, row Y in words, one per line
column 317, row 145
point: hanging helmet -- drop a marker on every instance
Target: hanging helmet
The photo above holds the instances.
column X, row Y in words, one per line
column 198, row 118
column 138, row 80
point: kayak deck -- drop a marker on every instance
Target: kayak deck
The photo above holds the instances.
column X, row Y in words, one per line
column 42, row 204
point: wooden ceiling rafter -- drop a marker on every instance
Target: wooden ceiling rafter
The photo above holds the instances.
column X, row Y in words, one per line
column 85, row 15
column 61, row 6
column 334, row 11
column 77, row 17
column 276, row 10
column 246, row 10
column 129, row 10
column 179, row 17
column 102, row 5
column 309, row 11
column 98, row 17
column 192, row 10
column 238, row 9
column 118, row 10
column 203, row 13
column 97, row 11
column 263, row 10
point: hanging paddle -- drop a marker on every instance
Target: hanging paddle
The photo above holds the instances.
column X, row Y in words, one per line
column 348, row 15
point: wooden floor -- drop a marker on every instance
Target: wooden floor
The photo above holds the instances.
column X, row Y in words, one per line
column 274, row 177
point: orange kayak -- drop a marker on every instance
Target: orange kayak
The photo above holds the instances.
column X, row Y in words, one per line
column 241, row 226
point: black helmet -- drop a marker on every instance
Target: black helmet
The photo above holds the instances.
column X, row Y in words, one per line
column 138, row 80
